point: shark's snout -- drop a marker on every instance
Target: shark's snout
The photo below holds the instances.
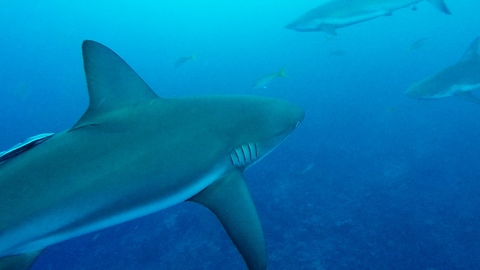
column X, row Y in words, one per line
column 290, row 26
column 298, row 115
column 415, row 90
column 411, row 93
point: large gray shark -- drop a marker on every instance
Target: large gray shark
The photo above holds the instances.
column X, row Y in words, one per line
column 336, row 14
column 133, row 153
column 457, row 80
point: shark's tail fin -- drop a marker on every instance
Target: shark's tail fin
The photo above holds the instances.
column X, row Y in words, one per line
column 440, row 4
column 18, row 262
column 282, row 73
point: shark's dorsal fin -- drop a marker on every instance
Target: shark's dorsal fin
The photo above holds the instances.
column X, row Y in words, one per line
column 472, row 52
column 111, row 82
column 228, row 198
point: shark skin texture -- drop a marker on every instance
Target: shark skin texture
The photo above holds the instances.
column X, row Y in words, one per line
column 334, row 14
column 458, row 80
column 133, row 153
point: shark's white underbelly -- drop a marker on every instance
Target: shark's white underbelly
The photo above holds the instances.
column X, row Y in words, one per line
column 466, row 87
column 454, row 89
column 345, row 21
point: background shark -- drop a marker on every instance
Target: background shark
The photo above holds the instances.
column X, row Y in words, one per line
column 340, row 13
column 132, row 154
column 182, row 60
column 457, row 80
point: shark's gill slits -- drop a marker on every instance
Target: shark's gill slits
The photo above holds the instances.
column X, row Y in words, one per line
column 240, row 157
column 244, row 155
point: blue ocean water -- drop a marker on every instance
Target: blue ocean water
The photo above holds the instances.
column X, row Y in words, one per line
column 370, row 180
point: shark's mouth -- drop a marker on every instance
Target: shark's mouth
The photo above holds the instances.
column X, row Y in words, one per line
column 244, row 155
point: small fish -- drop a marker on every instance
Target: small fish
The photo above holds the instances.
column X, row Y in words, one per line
column 457, row 80
column 336, row 14
column 265, row 80
column 307, row 168
column 418, row 44
column 184, row 59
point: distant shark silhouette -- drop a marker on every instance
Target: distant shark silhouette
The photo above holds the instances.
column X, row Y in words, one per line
column 418, row 44
column 132, row 154
column 182, row 60
column 457, row 80
column 336, row 14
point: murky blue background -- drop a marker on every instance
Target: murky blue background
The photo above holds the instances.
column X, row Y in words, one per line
column 370, row 180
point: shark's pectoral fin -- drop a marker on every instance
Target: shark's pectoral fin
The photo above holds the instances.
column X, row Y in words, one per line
column 228, row 198
column 468, row 95
column 18, row 262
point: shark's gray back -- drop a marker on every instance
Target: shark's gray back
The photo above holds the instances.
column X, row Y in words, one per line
column 461, row 77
